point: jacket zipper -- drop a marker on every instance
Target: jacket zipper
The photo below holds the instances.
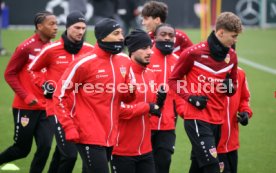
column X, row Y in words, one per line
column 165, row 80
column 112, row 100
column 143, row 117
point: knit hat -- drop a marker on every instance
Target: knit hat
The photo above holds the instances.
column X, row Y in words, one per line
column 74, row 17
column 137, row 39
column 104, row 27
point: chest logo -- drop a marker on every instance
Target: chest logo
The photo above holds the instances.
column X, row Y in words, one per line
column 227, row 59
column 123, row 71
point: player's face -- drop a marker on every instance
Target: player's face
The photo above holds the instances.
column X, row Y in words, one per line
column 142, row 56
column 76, row 32
column 150, row 23
column 49, row 27
column 228, row 38
column 116, row 35
column 165, row 33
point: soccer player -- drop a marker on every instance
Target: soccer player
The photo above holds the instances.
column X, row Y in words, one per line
column 163, row 129
column 96, row 80
column 210, row 70
column 132, row 152
column 29, row 104
column 55, row 58
column 155, row 13
column 237, row 111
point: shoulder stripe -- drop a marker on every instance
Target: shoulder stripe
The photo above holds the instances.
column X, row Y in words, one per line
column 72, row 73
column 87, row 44
column 204, row 67
column 42, row 52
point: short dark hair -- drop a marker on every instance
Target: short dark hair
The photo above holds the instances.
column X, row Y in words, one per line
column 40, row 17
column 229, row 21
column 155, row 9
column 162, row 25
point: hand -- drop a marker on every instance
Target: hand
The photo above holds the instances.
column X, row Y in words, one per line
column 154, row 110
column 243, row 118
column 228, row 84
column 48, row 90
column 161, row 96
column 199, row 102
column 30, row 100
column 72, row 135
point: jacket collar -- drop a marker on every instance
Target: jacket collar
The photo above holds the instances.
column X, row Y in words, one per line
column 137, row 68
column 157, row 52
column 100, row 52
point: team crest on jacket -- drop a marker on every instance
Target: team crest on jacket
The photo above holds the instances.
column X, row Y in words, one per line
column 24, row 121
column 213, row 152
column 227, row 59
column 123, row 71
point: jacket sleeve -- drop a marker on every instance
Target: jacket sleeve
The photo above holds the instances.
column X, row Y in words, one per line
column 41, row 61
column 62, row 103
column 245, row 95
column 17, row 62
column 128, row 111
column 186, row 42
column 182, row 67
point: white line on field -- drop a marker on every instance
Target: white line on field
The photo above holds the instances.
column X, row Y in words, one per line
column 257, row 66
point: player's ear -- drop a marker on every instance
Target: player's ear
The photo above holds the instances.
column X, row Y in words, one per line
column 39, row 26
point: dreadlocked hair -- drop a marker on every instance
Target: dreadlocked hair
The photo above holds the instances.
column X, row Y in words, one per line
column 40, row 17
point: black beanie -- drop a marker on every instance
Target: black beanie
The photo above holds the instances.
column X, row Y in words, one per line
column 104, row 27
column 137, row 39
column 74, row 17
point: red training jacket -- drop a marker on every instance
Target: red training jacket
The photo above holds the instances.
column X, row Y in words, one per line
column 17, row 76
column 162, row 67
column 55, row 59
column 229, row 140
column 99, row 82
column 204, row 76
column 134, row 134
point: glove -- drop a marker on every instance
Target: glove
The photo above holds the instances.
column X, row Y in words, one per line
column 198, row 101
column 228, row 83
column 48, row 90
column 72, row 135
column 243, row 118
column 154, row 110
column 161, row 96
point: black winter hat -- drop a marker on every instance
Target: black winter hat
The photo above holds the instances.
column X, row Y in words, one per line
column 104, row 27
column 137, row 39
column 74, row 17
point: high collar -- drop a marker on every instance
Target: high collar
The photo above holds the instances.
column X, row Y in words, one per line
column 137, row 68
column 157, row 52
column 100, row 52
column 37, row 37
column 217, row 49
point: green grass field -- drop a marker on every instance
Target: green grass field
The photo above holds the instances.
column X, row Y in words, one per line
column 258, row 139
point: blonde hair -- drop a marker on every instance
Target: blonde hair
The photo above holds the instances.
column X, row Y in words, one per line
column 229, row 21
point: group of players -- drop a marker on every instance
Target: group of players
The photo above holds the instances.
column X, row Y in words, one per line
column 112, row 107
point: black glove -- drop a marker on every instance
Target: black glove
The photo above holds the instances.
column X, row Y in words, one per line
column 48, row 90
column 198, row 101
column 154, row 110
column 161, row 96
column 229, row 84
column 243, row 118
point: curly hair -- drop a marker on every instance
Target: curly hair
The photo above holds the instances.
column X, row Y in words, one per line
column 229, row 21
